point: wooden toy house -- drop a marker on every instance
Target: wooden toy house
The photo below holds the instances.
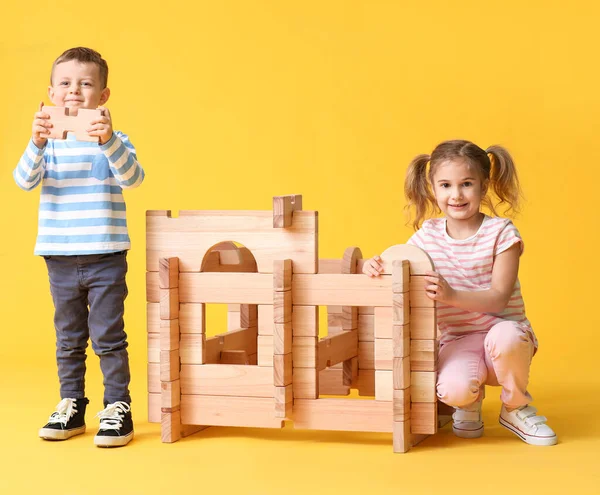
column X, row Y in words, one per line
column 270, row 365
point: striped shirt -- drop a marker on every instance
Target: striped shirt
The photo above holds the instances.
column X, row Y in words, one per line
column 82, row 210
column 467, row 264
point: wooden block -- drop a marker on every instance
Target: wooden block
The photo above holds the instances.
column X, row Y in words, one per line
column 384, row 385
column 154, row 347
column 250, row 412
column 401, row 370
column 350, row 371
column 193, row 234
column 400, row 309
column 401, row 403
column 423, row 323
column 284, row 400
column 265, row 319
column 400, row 276
column 418, row 296
column 422, row 385
column 419, row 260
column 333, row 350
column 168, row 273
column 305, row 321
column 153, row 317
column 170, row 395
column 169, row 304
column 248, row 315
column 154, row 379
column 330, row 266
column 424, row 418
column 234, row 357
column 283, row 209
column 349, row 317
column 170, row 427
column 401, row 340
column 335, row 324
column 383, row 323
column 227, row 379
column 306, row 383
column 343, row 415
column 401, row 436
column 169, row 365
column 366, row 355
column 75, row 120
column 234, row 320
column 331, row 382
column 365, row 383
column 282, row 339
column 384, row 354
column 192, row 349
column 350, row 313
column 366, row 327
column 169, row 335
column 366, row 310
column 282, row 275
column 243, row 339
column 282, row 307
column 341, row 290
column 154, row 412
column 304, row 352
column 282, row 369
column 423, row 355
column 192, row 318
column 265, row 350
column 253, row 359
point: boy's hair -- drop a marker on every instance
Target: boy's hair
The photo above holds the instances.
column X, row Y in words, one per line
column 84, row 55
column 494, row 164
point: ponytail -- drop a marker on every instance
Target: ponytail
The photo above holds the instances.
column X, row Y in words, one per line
column 416, row 189
column 504, row 181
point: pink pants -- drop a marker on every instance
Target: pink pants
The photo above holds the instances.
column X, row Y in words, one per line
column 499, row 357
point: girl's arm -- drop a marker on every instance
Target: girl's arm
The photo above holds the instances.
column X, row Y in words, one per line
column 492, row 300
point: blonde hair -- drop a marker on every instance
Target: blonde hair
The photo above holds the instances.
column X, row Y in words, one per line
column 83, row 55
column 494, row 164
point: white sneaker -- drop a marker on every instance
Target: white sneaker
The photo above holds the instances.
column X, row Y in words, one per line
column 467, row 421
column 529, row 427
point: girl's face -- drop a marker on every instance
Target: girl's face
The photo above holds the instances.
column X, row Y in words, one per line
column 458, row 189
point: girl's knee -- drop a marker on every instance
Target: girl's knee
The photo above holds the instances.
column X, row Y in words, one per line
column 506, row 338
column 457, row 392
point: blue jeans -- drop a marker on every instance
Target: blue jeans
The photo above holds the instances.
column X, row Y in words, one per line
column 89, row 294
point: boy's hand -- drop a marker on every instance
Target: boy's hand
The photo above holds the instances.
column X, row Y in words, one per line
column 438, row 289
column 101, row 127
column 40, row 129
column 373, row 267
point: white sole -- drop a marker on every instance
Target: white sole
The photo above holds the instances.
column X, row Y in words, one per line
column 52, row 434
column 530, row 439
column 113, row 441
column 468, row 433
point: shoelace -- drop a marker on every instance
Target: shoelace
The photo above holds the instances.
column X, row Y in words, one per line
column 65, row 410
column 111, row 418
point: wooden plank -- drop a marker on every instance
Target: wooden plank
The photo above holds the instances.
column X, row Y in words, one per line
column 169, row 303
column 400, row 276
column 424, row 419
column 401, row 340
column 306, row 383
column 401, row 436
column 282, row 338
column 169, row 365
column 170, row 395
column 170, row 426
column 401, row 404
column 333, row 350
column 227, row 379
column 401, row 309
column 343, row 415
column 282, row 275
column 343, row 290
column 401, row 372
column 243, row 339
column 251, row 412
column 169, row 335
column 193, row 233
column 168, row 273
column 282, row 307
column 422, row 384
column 423, row 355
column 284, row 400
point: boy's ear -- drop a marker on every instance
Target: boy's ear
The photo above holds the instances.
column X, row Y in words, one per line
column 51, row 94
column 104, row 96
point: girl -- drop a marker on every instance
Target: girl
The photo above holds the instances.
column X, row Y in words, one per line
column 486, row 338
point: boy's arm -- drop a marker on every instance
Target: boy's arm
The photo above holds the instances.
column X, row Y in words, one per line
column 123, row 161
column 30, row 170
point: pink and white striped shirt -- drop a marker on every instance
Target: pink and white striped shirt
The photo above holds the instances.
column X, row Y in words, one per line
column 467, row 264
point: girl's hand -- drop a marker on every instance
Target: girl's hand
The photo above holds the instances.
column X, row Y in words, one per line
column 373, row 267
column 40, row 130
column 102, row 127
column 437, row 289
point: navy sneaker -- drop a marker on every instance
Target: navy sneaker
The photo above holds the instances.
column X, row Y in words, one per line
column 67, row 421
column 116, row 425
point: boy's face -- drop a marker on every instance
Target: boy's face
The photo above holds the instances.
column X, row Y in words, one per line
column 77, row 85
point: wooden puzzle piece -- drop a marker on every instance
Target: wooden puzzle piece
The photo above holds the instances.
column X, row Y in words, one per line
column 75, row 120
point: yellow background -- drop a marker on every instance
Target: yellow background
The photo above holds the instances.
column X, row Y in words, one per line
column 231, row 102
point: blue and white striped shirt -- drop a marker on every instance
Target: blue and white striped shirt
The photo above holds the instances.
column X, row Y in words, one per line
column 82, row 210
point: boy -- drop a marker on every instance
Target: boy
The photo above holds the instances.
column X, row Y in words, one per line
column 82, row 235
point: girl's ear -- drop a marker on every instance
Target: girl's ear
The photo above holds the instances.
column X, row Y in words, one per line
column 484, row 187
